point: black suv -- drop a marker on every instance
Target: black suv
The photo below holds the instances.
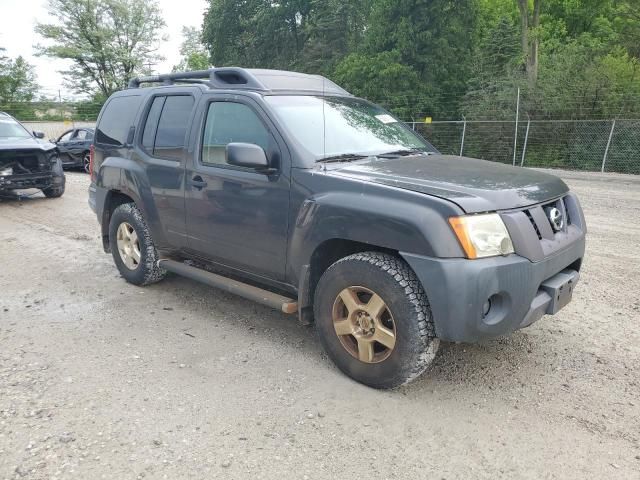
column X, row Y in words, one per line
column 26, row 161
column 284, row 188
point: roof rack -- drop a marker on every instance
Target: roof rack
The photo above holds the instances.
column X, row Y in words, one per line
column 214, row 77
column 247, row 79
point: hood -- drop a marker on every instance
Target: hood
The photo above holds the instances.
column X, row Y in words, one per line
column 29, row 143
column 475, row 185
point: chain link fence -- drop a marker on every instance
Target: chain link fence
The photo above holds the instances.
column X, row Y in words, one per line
column 590, row 145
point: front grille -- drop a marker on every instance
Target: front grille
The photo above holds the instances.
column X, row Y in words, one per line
column 535, row 236
column 28, row 161
column 533, row 223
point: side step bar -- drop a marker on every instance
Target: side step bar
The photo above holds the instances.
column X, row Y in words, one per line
column 258, row 295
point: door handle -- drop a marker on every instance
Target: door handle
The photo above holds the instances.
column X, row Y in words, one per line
column 198, row 182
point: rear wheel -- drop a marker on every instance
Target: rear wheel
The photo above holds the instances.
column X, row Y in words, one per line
column 86, row 160
column 132, row 247
column 374, row 320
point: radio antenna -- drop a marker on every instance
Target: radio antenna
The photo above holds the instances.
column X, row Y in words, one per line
column 324, row 122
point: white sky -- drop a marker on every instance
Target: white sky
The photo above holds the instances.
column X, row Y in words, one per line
column 18, row 18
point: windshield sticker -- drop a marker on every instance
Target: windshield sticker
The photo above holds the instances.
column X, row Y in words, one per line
column 386, row 118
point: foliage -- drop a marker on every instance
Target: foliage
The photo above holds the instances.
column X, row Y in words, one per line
column 194, row 55
column 17, row 80
column 107, row 41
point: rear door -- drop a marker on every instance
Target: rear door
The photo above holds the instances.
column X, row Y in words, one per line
column 161, row 149
column 237, row 216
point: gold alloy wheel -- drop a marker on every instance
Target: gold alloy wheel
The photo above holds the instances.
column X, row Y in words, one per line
column 364, row 324
column 128, row 245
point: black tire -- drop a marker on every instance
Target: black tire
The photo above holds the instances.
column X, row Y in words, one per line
column 397, row 285
column 147, row 270
column 58, row 182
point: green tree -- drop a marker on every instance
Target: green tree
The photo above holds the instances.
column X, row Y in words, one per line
column 435, row 38
column 335, row 29
column 194, row 54
column 529, row 37
column 627, row 24
column 107, row 41
column 373, row 77
column 17, row 80
column 307, row 35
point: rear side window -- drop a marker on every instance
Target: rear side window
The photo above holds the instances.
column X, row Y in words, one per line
column 149, row 134
column 116, row 120
column 172, row 126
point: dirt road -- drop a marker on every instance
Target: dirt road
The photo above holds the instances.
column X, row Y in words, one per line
column 101, row 379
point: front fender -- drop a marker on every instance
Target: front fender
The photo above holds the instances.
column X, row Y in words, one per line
column 396, row 220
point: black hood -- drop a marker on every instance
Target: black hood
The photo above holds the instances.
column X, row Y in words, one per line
column 29, row 143
column 475, row 185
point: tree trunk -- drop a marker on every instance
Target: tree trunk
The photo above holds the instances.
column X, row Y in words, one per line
column 529, row 39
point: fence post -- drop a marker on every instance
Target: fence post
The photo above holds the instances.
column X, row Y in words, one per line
column 464, row 132
column 515, row 136
column 606, row 150
column 526, row 140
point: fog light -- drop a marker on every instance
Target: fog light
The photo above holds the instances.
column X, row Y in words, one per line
column 486, row 308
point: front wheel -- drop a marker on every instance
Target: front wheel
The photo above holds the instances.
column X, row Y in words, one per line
column 58, row 181
column 374, row 320
column 132, row 247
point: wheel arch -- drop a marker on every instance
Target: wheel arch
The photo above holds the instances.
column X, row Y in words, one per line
column 122, row 178
column 113, row 200
column 324, row 255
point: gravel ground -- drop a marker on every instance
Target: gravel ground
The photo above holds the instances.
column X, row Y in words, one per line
column 101, row 379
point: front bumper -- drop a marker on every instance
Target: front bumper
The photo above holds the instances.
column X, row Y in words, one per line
column 26, row 180
column 520, row 290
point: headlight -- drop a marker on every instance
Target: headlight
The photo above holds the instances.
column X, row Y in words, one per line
column 482, row 235
column 6, row 171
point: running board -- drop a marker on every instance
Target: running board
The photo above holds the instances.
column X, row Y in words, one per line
column 258, row 295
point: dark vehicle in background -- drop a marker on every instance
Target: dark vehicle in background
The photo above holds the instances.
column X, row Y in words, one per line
column 286, row 189
column 73, row 147
column 28, row 161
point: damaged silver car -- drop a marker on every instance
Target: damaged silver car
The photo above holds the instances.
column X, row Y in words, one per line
column 27, row 161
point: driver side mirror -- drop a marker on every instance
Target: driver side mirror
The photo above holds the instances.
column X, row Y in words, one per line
column 38, row 134
column 247, row 155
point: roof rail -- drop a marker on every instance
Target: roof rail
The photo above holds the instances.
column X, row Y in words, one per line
column 235, row 78
column 223, row 77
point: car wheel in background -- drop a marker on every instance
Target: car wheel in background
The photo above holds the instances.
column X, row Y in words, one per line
column 58, row 181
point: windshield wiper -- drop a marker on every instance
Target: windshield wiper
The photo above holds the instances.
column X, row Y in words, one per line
column 404, row 152
column 345, row 157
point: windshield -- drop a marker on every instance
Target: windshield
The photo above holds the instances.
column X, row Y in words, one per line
column 351, row 125
column 9, row 128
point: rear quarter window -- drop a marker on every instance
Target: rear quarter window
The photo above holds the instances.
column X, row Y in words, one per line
column 116, row 120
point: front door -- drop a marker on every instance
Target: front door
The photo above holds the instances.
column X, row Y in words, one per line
column 77, row 146
column 238, row 216
column 63, row 144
